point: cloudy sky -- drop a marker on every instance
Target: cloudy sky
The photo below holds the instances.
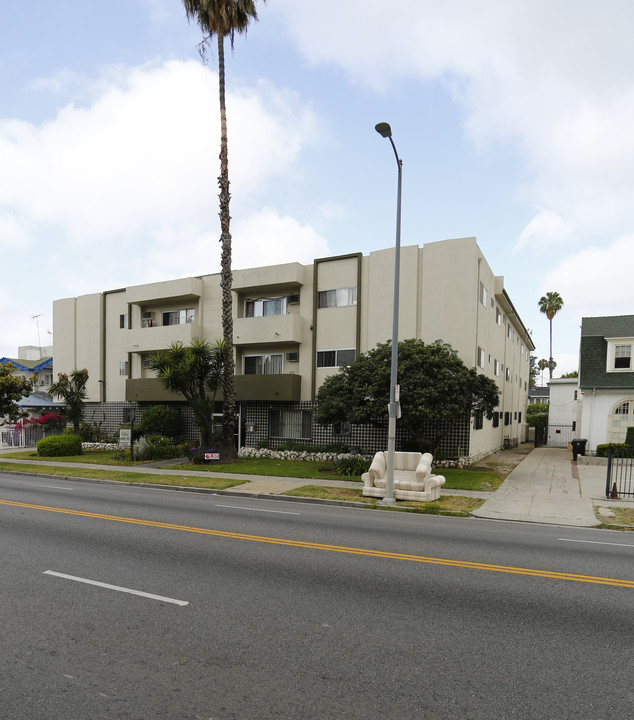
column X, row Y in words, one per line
column 514, row 121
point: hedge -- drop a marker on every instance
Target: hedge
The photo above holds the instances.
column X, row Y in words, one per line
column 59, row 445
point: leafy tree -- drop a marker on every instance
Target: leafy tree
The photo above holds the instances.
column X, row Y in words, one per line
column 223, row 18
column 537, row 414
column 550, row 304
column 12, row 389
column 72, row 390
column 573, row 374
column 437, row 390
column 197, row 372
column 160, row 420
column 532, row 381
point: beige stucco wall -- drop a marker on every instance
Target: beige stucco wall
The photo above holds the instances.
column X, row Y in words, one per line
column 439, row 299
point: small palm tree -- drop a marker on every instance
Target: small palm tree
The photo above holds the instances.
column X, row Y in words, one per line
column 197, row 372
column 550, row 304
column 72, row 390
column 223, row 18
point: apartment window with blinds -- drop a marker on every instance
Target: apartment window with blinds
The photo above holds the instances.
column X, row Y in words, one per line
column 483, row 294
column 481, row 356
column 290, row 424
column 264, row 307
column 341, row 297
column 335, row 358
column 179, row 317
column 265, row 364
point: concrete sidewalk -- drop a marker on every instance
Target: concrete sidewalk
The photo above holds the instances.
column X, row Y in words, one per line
column 549, row 487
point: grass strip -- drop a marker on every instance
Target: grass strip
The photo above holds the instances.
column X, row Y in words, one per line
column 122, row 476
column 449, row 505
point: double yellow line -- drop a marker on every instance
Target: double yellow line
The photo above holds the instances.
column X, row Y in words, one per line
column 551, row 575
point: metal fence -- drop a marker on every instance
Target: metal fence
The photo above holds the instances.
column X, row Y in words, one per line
column 25, row 437
column 620, row 476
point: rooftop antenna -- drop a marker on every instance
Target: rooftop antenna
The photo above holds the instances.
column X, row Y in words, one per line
column 37, row 323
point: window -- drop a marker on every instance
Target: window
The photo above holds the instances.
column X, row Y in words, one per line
column 290, row 424
column 519, row 418
column 341, row 428
column 495, row 420
column 123, row 321
column 508, row 373
column 622, row 357
column 509, row 331
column 478, row 418
column 264, row 307
column 147, row 364
column 265, row 364
column 498, row 316
column 342, row 297
column 481, row 355
column 507, row 418
column 483, row 295
column 335, row 358
column 496, row 367
column 179, row 317
column 123, row 368
column 619, row 420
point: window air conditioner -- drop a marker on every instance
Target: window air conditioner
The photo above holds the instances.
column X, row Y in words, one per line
column 293, row 299
column 292, row 357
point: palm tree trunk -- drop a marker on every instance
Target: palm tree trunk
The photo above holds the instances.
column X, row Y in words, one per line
column 550, row 360
column 228, row 407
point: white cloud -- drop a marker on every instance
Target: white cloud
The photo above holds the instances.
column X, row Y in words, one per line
column 553, row 78
column 597, row 280
column 126, row 183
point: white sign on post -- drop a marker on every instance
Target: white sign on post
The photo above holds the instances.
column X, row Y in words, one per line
column 125, row 436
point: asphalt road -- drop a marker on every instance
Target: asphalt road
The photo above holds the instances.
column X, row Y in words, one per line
column 211, row 606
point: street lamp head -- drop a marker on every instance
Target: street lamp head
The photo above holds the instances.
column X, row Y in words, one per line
column 384, row 129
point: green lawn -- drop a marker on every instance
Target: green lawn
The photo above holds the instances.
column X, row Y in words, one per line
column 467, row 479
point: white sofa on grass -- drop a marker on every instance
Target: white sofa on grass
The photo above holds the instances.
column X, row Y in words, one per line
column 412, row 477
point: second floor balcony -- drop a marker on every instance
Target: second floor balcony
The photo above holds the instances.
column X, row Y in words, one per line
column 267, row 330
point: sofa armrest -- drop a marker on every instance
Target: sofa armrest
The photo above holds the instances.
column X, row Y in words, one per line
column 423, row 469
column 377, row 470
column 434, row 481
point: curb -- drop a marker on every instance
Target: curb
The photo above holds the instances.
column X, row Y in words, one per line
column 204, row 491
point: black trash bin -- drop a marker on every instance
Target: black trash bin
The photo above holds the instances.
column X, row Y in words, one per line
column 578, row 447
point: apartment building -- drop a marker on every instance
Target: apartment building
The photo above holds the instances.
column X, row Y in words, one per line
column 296, row 324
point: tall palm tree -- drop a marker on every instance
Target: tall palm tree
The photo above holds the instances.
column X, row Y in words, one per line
column 550, row 304
column 223, row 18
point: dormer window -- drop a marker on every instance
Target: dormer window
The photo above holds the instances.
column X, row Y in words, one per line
column 622, row 357
column 619, row 356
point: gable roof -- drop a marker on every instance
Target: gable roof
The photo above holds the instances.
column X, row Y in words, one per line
column 593, row 352
column 610, row 326
column 28, row 365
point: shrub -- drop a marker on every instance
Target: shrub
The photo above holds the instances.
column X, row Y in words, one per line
column 629, row 438
column 59, row 445
column 352, row 466
column 618, row 450
column 89, row 432
column 161, row 420
column 156, row 447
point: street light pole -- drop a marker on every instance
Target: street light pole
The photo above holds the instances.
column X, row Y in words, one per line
column 394, row 406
